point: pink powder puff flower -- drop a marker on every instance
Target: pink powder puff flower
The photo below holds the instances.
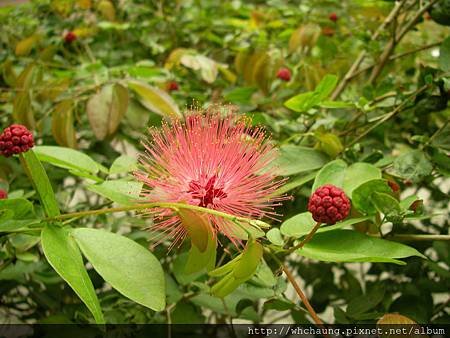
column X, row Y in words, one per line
column 213, row 161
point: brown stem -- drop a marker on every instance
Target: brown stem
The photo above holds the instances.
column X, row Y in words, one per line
column 415, row 238
column 297, row 288
column 308, row 237
column 302, row 296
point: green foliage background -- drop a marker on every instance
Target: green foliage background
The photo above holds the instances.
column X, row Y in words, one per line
column 385, row 121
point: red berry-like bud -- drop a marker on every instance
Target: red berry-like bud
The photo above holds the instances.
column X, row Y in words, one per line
column 284, row 74
column 333, row 17
column 394, row 186
column 15, row 139
column 329, row 204
column 3, row 194
column 70, row 37
column 172, row 86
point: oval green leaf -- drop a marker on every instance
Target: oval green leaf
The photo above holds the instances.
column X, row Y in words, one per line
column 67, row 158
column 332, row 173
column 64, row 256
column 155, row 99
column 295, row 159
column 352, row 246
column 36, row 172
column 127, row 266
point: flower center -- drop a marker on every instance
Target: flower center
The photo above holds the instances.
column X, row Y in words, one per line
column 206, row 194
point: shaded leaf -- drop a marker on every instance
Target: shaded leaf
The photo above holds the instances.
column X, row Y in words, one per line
column 62, row 124
column 412, row 165
column 361, row 196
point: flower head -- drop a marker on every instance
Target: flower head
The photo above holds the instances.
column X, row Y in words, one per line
column 329, row 204
column 15, row 139
column 212, row 161
column 3, row 194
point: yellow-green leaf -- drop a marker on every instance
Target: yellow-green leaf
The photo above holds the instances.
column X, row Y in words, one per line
column 155, row 99
column 106, row 109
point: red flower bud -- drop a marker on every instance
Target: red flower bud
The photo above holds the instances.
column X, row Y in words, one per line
column 3, row 194
column 172, row 86
column 70, row 37
column 333, row 17
column 284, row 74
column 329, row 204
column 15, row 139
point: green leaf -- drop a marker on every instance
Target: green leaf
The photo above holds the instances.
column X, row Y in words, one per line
column 18, row 208
column 122, row 192
column 35, row 171
column 13, row 225
column 357, row 174
column 352, row 246
column 329, row 143
column 67, row 158
column 155, row 99
column 295, row 183
column 387, row 205
column 298, row 225
column 348, row 178
column 304, row 101
column 301, row 224
column 361, row 196
column 243, row 230
column 364, row 303
column 64, row 256
column 127, row 266
column 336, row 104
column 326, row 86
column 200, row 260
column 444, row 55
column 413, row 166
column 123, row 164
column 274, row 236
column 106, row 109
column 240, row 95
column 296, row 159
column 332, row 173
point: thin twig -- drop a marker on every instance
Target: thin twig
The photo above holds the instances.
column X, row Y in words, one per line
column 354, row 67
column 308, row 237
column 396, row 38
column 397, row 56
column 388, row 116
column 415, row 238
column 298, row 290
